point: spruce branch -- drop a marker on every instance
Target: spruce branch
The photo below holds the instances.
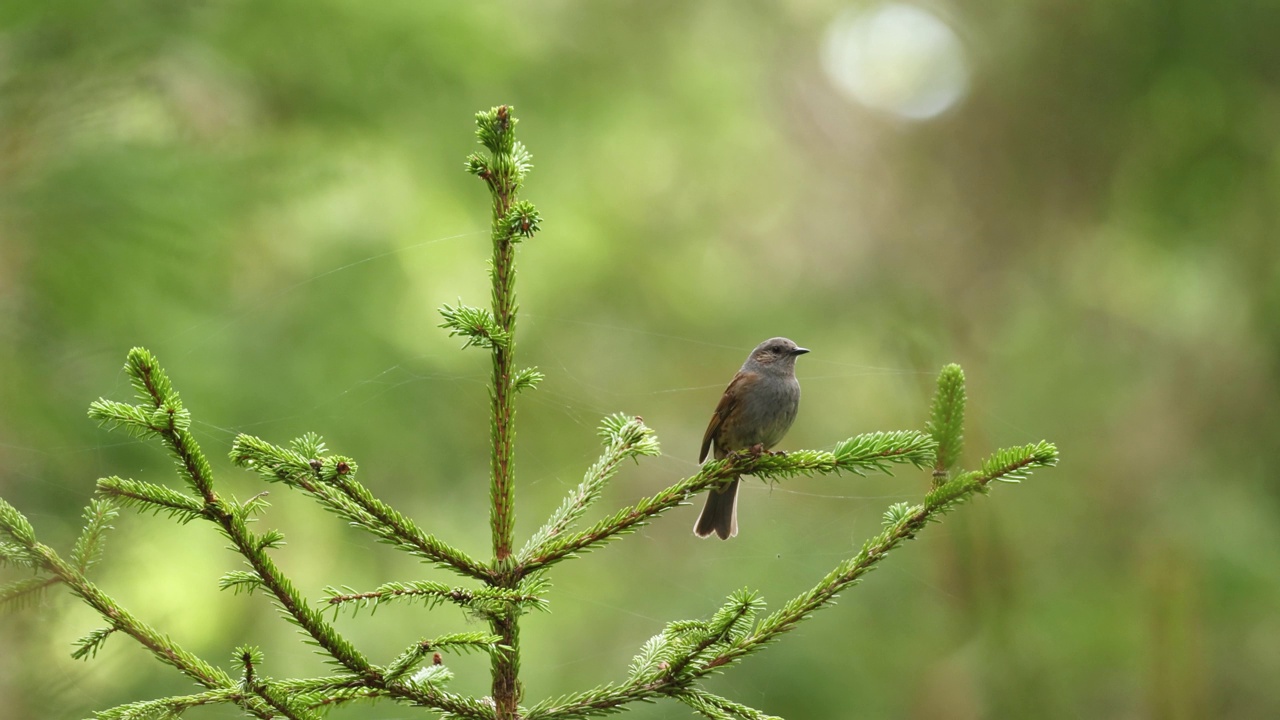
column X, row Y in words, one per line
column 321, row 684
column 729, row 624
column 333, row 698
column 163, row 416
column 625, row 437
column 14, row 554
column 270, row 540
column 88, row 548
column 154, row 386
column 292, row 698
column 460, row 642
column 163, row 648
column 287, row 704
column 897, row 512
column 231, row 518
column 16, row 526
column 872, row 451
column 522, row 220
column 654, row 656
column 23, row 593
column 249, row 657
column 342, row 474
column 172, row 707
column 238, row 581
column 1013, row 463
column 1005, row 464
column 324, row 693
column 294, row 708
column 149, row 497
column 526, row 379
column 288, row 600
column 719, row 708
column 476, row 325
column 437, row 674
column 485, row 601
column 88, row 646
column 946, row 421
column 331, row 481
column 139, row 421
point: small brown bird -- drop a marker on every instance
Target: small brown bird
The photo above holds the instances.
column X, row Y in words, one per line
column 754, row 413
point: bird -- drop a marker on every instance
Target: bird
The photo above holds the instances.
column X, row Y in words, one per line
column 754, row 413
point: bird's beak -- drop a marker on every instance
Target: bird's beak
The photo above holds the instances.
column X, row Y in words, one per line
column 799, row 351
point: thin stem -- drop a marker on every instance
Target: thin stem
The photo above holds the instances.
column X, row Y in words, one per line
column 503, row 182
column 502, row 495
column 291, row 602
column 629, row 518
column 433, row 593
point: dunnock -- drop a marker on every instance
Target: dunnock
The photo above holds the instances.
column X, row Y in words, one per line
column 754, row 413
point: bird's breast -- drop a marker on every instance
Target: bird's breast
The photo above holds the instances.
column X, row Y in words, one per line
column 769, row 412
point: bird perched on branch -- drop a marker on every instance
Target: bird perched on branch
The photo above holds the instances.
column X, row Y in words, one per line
column 754, row 413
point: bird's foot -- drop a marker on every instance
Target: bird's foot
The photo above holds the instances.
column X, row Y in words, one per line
column 756, row 450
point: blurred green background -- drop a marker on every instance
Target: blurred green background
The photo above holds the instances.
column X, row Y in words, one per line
column 1076, row 201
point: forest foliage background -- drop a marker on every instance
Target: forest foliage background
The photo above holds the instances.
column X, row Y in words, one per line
column 271, row 198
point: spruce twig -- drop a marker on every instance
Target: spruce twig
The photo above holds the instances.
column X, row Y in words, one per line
column 873, row 451
column 16, row 555
column 286, row 704
column 719, row 708
column 88, row 548
column 460, row 642
column 485, row 601
column 88, row 646
column 625, row 437
column 149, row 497
column 172, row 707
column 330, row 480
column 20, row 593
column 946, row 421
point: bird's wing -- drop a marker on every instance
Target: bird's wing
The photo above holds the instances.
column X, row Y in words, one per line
column 727, row 402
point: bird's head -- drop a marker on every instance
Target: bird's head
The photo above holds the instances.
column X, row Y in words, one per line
column 776, row 353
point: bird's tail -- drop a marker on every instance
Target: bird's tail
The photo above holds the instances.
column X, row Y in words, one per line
column 720, row 514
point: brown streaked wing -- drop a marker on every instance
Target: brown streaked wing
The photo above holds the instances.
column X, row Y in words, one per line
column 723, row 409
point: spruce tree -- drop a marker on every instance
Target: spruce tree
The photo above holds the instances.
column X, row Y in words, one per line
column 500, row 589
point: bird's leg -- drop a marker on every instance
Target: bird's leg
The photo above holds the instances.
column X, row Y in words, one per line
column 756, row 450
